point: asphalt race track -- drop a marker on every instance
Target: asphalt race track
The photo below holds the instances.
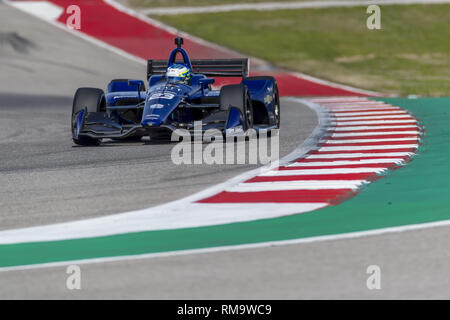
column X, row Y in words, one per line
column 45, row 179
column 61, row 181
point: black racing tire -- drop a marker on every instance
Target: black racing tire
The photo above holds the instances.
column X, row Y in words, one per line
column 276, row 96
column 93, row 100
column 237, row 95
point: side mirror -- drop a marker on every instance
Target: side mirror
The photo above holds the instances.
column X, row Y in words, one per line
column 137, row 83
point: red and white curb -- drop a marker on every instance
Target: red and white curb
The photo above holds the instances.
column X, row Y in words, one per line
column 365, row 139
column 350, row 147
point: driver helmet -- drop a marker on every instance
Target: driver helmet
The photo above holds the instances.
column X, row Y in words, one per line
column 178, row 73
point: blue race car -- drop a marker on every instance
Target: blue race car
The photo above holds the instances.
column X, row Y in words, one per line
column 179, row 93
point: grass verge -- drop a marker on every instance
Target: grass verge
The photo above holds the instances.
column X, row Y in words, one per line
column 409, row 55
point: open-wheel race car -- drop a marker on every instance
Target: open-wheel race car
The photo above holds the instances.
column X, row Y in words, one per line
column 179, row 93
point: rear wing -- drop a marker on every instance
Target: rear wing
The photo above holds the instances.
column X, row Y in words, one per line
column 208, row 67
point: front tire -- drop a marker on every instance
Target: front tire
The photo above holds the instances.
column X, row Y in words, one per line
column 276, row 97
column 237, row 95
column 92, row 100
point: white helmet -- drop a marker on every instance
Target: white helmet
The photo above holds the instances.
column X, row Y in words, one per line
column 178, row 73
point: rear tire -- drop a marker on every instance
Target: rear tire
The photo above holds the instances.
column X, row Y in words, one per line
column 237, row 95
column 91, row 99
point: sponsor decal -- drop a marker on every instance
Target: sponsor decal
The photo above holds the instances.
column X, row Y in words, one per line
column 162, row 95
column 124, row 97
column 238, row 130
column 214, row 93
column 268, row 99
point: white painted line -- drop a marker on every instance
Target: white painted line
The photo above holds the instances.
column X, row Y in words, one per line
column 350, row 123
column 365, row 101
column 334, row 237
column 276, row 173
column 359, row 155
column 370, row 117
column 41, row 9
column 370, row 113
column 325, row 100
column 356, row 128
column 296, row 185
column 166, row 217
column 372, row 133
column 356, row 105
column 363, row 109
column 352, row 105
column 387, row 140
column 346, row 162
column 360, row 148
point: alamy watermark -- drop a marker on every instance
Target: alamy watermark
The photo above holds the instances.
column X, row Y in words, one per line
column 374, row 20
column 74, row 20
column 374, row 280
column 250, row 147
column 73, row 281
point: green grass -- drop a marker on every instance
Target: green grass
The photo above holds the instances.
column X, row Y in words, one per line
column 194, row 3
column 409, row 55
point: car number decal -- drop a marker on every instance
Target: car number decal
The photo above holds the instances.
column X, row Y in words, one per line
column 162, row 95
